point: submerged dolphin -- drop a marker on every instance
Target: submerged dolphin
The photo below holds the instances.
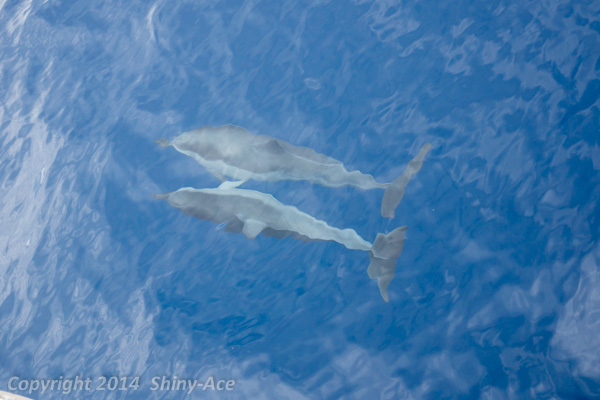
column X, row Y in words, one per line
column 234, row 152
column 252, row 212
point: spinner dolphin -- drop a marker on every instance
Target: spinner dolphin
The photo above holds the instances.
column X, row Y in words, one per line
column 233, row 152
column 251, row 213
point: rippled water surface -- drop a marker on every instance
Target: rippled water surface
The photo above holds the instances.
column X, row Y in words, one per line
column 497, row 292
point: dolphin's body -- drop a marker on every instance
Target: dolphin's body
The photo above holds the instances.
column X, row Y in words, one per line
column 252, row 213
column 234, row 152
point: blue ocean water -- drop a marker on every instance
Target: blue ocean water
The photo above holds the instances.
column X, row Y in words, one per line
column 497, row 292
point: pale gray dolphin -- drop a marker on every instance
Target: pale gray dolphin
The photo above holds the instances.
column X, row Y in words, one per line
column 234, row 152
column 252, row 213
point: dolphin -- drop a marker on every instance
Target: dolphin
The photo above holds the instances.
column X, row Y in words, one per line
column 251, row 213
column 232, row 151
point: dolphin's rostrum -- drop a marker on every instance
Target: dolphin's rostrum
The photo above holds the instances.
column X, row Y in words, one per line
column 252, row 213
column 234, row 152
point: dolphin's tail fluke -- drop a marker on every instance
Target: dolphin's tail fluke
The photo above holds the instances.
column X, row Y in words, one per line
column 163, row 142
column 383, row 255
column 395, row 191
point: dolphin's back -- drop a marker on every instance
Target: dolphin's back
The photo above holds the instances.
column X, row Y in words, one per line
column 252, row 213
column 235, row 152
column 263, row 145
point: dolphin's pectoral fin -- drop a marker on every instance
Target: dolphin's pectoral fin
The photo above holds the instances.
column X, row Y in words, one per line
column 252, row 228
column 218, row 175
column 230, row 184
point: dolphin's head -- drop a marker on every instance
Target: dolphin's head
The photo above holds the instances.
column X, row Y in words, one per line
column 224, row 143
column 199, row 203
column 200, row 143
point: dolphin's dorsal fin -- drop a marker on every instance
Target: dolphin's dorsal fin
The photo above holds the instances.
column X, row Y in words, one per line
column 230, row 184
column 272, row 146
column 252, row 228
